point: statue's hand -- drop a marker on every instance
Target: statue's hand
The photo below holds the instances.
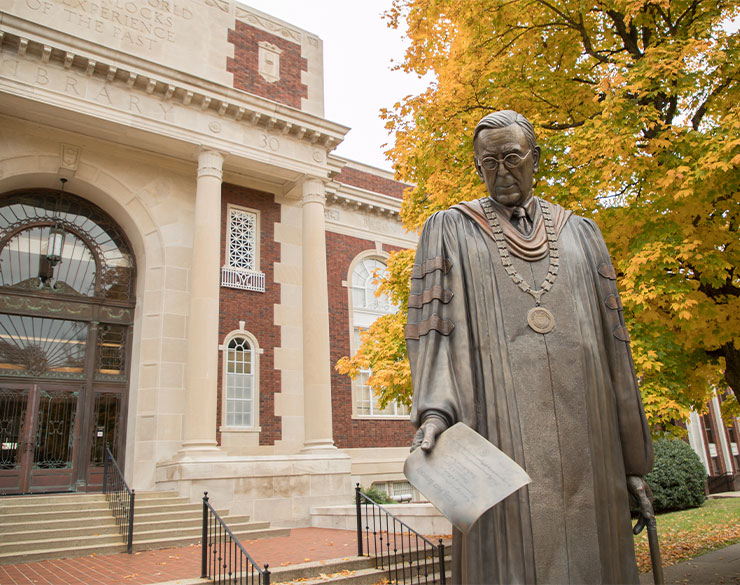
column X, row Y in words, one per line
column 640, row 490
column 426, row 436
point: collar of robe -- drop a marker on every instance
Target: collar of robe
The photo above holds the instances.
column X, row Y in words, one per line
column 532, row 247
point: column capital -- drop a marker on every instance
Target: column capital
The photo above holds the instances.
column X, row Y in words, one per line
column 210, row 164
column 314, row 191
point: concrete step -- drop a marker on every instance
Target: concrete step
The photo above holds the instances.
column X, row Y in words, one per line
column 12, row 525
column 59, row 526
column 347, row 571
column 8, row 502
column 40, row 499
column 143, row 524
column 23, row 532
column 60, row 553
column 57, row 543
column 186, row 535
column 79, row 547
column 30, row 508
column 26, row 534
column 162, row 513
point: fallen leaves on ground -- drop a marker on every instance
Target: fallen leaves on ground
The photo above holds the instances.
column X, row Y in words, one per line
column 681, row 545
column 323, row 577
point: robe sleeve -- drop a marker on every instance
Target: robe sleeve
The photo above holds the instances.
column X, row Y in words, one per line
column 436, row 330
column 634, row 433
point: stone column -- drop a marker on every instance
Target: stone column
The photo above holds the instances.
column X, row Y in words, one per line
column 199, row 424
column 316, row 357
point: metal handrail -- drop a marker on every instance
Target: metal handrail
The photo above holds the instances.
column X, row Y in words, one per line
column 120, row 498
column 413, row 559
column 223, row 558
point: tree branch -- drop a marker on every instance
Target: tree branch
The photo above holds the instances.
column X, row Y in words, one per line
column 629, row 37
column 702, row 110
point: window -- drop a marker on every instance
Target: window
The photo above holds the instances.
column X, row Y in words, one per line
column 242, row 252
column 401, row 491
column 240, row 383
column 366, row 308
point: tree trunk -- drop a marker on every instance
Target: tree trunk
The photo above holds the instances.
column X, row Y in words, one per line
column 732, row 367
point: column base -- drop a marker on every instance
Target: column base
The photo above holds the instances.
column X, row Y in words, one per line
column 319, row 446
column 198, row 450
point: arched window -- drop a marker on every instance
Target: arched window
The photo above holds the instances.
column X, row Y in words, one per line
column 366, row 308
column 67, row 282
column 241, row 381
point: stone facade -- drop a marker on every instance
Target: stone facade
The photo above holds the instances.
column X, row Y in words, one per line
column 166, row 135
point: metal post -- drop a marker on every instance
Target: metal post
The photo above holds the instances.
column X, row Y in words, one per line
column 441, row 548
column 204, row 540
column 359, row 520
column 130, row 543
column 105, row 469
column 267, row 575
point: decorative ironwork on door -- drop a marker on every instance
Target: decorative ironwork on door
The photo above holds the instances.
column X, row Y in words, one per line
column 67, row 278
column 12, row 414
column 55, row 430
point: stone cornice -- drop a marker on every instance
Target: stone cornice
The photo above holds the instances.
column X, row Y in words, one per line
column 145, row 77
column 363, row 200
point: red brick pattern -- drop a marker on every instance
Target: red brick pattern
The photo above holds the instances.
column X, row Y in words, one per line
column 289, row 89
column 158, row 566
column 256, row 309
column 349, row 432
column 371, row 182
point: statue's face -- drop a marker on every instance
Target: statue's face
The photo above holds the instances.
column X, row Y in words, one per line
column 508, row 180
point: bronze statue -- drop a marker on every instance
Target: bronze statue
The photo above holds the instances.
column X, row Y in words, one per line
column 516, row 329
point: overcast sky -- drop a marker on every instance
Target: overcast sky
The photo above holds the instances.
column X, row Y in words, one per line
column 359, row 51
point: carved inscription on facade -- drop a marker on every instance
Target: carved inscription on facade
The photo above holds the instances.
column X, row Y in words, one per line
column 136, row 24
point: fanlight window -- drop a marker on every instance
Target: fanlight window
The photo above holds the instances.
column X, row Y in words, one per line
column 240, row 386
column 366, row 308
column 94, row 260
column 23, row 263
column 36, row 346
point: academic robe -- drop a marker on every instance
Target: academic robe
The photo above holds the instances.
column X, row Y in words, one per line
column 564, row 405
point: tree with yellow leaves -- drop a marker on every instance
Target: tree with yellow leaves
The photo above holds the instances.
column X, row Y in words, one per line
column 637, row 107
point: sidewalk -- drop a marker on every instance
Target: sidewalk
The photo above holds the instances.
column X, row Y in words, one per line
column 719, row 567
column 157, row 566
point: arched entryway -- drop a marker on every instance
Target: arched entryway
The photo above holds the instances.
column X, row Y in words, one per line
column 67, row 281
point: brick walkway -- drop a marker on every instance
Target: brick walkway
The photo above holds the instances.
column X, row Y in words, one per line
column 146, row 568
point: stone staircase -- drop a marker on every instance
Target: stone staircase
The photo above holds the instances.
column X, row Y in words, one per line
column 34, row 528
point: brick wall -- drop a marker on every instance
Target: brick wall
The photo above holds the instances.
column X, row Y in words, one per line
column 371, row 182
column 289, row 89
column 349, row 432
column 256, row 309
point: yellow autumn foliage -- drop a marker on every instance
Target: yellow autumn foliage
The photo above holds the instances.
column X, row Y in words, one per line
column 637, row 108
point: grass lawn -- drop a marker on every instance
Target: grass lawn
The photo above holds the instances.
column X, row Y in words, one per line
column 689, row 533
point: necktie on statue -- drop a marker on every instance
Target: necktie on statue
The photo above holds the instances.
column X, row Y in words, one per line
column 521, row 221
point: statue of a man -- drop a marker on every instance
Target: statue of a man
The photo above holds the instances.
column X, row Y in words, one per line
column 516, row 329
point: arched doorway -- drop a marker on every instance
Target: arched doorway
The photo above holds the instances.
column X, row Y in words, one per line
column 67, row 281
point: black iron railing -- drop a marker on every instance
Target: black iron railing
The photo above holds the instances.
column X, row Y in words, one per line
column 120, row 498
column 224, row 559
column 406, row 555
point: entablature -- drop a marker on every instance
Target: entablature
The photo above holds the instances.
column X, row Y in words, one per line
column 201, row 112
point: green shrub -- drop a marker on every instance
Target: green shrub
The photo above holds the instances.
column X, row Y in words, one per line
column 377, row 496
column 678, row 476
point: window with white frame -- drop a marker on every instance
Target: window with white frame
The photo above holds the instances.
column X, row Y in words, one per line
column 401, row 491
column 242, row 251
column 239, row 383
column 366, row 308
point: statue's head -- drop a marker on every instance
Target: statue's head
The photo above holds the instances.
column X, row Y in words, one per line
column 506, row 156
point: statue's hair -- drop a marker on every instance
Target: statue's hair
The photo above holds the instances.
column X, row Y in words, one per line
column 505, row 118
